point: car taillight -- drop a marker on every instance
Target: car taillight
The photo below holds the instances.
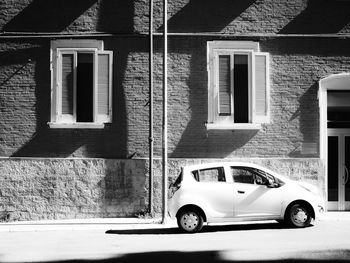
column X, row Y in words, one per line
column 173, row 188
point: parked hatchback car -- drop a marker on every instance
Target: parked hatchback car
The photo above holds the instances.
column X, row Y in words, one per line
column 227, row 192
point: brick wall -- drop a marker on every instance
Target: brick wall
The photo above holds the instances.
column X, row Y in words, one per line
column 125, row 16
column 291, row 140
column 296, row 67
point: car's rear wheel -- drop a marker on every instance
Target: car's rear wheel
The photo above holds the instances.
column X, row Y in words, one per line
column 298, row 215
column 190, row 221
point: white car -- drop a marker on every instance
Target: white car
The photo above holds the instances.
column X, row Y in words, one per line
column 228, row 192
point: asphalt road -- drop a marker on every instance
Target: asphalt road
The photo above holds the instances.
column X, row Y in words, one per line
column 326, row 240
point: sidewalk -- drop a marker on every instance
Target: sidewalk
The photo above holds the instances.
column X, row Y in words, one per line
column 83, row 224
column 117, row 223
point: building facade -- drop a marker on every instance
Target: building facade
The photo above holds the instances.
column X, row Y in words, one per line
column 262, row 81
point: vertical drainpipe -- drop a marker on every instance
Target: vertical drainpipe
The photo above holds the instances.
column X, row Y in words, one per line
column 165, row 112
column 150, row 190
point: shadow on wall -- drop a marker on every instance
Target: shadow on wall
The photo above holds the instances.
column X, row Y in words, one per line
column 320, row 16
column 56, row 16
column 308, row 114
column 110, row 142
column 47, row 16
column 196, row 141
column 206, row 15
column 116, row 16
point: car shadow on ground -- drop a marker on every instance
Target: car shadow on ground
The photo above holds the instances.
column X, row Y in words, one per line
column 206, row 257
column 206, row 229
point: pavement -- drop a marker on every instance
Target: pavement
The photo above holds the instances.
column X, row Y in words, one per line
column 120, row 223
column 107, row 240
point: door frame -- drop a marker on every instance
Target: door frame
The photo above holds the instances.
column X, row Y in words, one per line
column 339, row 81
column 342, row 204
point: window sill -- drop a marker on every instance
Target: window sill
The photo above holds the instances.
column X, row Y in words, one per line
column 234, row 126
column 81, row 125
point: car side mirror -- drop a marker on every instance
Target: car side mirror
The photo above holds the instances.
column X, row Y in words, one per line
column 272, row 184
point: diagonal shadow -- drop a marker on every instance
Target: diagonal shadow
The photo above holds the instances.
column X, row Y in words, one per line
column 206, row 15
column 320, row 16
column 48, row 16
column 195, row 140
column 116, row 16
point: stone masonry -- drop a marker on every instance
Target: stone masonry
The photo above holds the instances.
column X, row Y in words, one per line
column 50, row 173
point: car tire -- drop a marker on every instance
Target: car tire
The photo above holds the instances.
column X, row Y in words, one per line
column 190, row 221
column 298, row 215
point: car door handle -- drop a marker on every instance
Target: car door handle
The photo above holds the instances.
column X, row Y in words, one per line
column 241, row 192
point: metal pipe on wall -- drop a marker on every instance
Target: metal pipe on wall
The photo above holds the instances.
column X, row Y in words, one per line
column 150, row 190
column 165, row 113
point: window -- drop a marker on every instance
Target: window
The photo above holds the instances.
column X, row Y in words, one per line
column 238, row 86
column 242, row 175
column 248, row 175
column 81, row 77
column 209, row 175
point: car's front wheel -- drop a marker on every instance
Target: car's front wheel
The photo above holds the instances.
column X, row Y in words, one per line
column 299, row 215
column 190, row 221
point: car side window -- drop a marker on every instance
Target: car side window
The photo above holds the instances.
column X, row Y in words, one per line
column 210, row 175
column 242, row 175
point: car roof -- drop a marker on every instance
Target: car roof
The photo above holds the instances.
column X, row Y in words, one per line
column 218, row 164
column 232, row 163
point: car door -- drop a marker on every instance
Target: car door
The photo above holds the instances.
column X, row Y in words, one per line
column 252, row 195
column 215, row 193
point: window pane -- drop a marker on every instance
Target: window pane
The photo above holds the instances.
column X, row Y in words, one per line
column 338, row 114
column 212, row 175
column 240, row 87
column 67, row 83
column 333, row 168
column 242, row 175
column 224, row 85
column 85, row 70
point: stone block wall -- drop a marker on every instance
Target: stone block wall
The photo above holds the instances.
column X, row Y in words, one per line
column 37, row 189
column 41, row 189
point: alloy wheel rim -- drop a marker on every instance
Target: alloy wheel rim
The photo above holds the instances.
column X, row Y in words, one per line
column 189, row 221
column 300, row 216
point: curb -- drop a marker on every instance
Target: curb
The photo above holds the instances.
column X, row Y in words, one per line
column 85, row 224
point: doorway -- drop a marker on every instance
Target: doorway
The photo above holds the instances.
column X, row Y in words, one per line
column 338, row 169
column 334, row 103
column 338, row 135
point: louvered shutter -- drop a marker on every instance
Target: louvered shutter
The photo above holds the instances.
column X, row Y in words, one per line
column 67, row 84
column 104, row 86
column 224, row 85
column 261, row 88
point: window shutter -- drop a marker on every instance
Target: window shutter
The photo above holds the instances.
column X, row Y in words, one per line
column 104, row 86
column 224, row 85
column 261, row 88
column 67, row 84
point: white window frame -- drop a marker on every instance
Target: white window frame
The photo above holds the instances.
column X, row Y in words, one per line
column 214, row 50
column 59, row 48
